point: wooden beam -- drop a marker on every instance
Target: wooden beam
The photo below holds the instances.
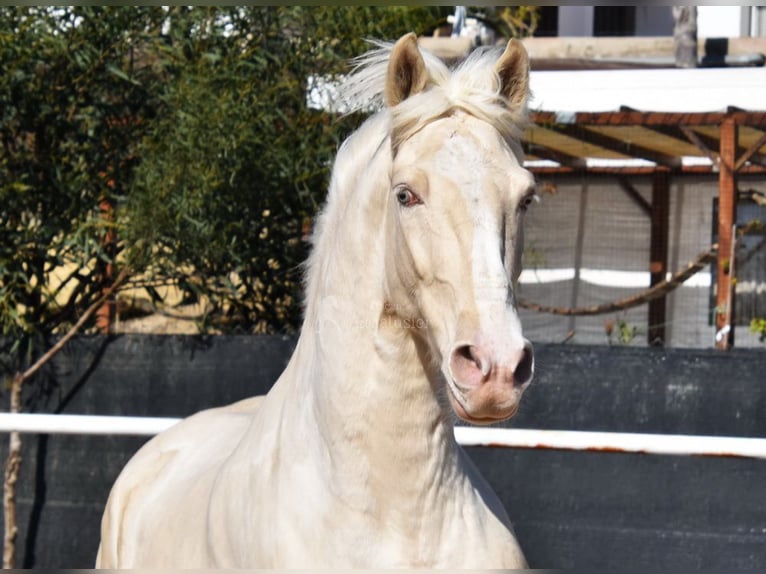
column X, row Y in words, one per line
column 727, row 217
column 709, row 146
column 750, row 152
column 706, row 144
column 619, row 48
column 636, row 118
column 634, row 194
column 616, row 144
column 648, row 170
column 658, row 265
column 701, row 144
column 565, row 159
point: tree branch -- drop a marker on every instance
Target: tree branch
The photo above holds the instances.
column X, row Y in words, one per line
column 659, row 290
column 13, row 462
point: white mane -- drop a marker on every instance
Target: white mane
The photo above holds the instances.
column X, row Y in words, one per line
column 361, row 166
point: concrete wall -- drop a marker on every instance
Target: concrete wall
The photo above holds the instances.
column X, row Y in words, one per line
column 590, row 510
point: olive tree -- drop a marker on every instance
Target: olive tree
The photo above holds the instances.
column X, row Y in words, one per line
column 236, row 163
column 73, row 107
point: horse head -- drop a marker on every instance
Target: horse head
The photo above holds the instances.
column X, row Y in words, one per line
column 456, row 208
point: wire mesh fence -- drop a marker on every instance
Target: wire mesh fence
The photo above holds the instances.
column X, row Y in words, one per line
column 588, row 243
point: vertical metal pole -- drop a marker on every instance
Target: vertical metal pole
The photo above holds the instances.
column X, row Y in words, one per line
column 579, row 240
column 727, row 218
column 674, row 299
column 658, row 266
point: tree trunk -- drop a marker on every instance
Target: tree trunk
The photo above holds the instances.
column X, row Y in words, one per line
column 12, row 466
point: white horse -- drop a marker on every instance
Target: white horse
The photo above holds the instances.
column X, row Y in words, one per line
column 350, row 460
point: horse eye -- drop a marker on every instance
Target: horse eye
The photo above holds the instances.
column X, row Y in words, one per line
column 406, row 197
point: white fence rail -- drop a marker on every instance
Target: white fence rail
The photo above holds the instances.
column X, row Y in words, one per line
column 645, row 443
column 688, row 445
column 84, row 424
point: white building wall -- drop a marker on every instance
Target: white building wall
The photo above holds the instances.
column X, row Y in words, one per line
column 720, row 21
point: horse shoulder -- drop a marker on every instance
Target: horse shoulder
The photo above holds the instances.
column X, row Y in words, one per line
column 178, row 465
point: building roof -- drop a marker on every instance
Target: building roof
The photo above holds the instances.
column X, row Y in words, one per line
column 620, row 105
column 636, row 120
column 665, row 90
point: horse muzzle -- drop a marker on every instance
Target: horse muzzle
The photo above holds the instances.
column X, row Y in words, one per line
column 486, row 389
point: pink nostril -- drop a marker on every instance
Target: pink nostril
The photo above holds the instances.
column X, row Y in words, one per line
column 469, row 366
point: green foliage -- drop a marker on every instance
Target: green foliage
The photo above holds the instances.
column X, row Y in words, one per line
column 236, row 164
column 620, row 332
column 183, row 130
column 758, row 326
column 67, row 138
column 514, row 21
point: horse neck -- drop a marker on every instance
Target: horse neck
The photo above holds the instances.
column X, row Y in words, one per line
column 370, row 391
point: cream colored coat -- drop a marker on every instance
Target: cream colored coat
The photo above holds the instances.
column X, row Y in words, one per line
column 350, row 460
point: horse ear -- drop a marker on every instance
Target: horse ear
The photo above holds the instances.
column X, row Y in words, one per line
column 406, row 74
column 513, row 69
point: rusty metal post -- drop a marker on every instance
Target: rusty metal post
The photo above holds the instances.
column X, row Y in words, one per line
column 106, row 313
column 727, row 218
column 658, row 266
